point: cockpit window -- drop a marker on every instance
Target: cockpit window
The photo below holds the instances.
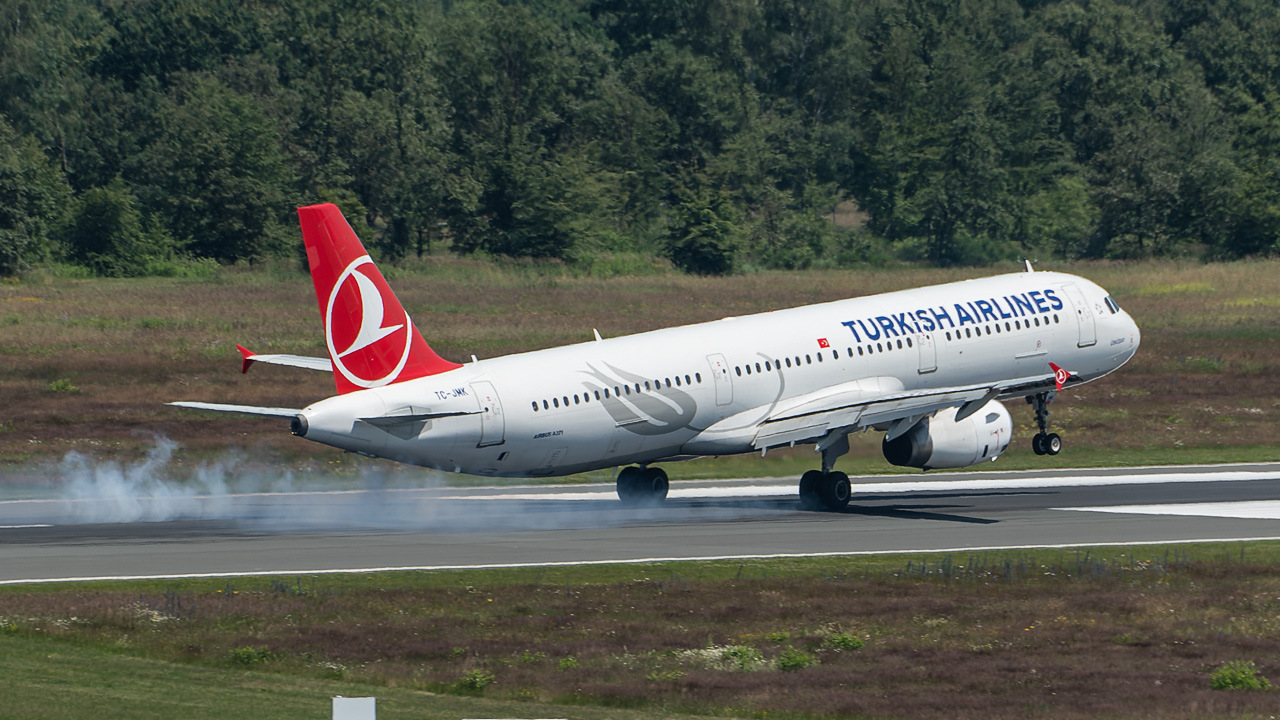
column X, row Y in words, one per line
column 1111, row 304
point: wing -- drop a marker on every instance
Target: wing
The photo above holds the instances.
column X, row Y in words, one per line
column 881, row 401
column 302, row 361
column 242, row 409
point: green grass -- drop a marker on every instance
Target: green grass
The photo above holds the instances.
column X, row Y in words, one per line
column 1111, row 631
column 50, row 678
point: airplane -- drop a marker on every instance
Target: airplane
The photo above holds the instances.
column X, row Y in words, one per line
column 929, row 367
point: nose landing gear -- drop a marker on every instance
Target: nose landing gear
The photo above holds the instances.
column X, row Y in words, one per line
column 1044, row 443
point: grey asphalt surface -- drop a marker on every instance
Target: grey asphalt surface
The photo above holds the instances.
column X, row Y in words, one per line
column 315, row 532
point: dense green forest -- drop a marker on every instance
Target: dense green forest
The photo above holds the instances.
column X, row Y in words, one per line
column 153, row 136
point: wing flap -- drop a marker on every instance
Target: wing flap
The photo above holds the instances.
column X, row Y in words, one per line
column 876, row 401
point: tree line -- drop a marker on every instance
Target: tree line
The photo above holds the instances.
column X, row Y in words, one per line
column 139, row 136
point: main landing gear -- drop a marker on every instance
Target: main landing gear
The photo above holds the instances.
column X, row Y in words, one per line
column 1044, row 443
column 827, row 489
column 642, row 485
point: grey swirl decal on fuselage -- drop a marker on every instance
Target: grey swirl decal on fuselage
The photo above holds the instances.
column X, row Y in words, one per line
column 657, row 411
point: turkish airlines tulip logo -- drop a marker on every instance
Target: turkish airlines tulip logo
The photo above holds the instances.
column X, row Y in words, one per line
column 365, row 341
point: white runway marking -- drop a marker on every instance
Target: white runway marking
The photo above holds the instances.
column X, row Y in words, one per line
column 632, row 561
column 1250, row 510
column 975, row 485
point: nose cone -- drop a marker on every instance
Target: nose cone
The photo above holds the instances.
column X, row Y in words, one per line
column 1135, row 338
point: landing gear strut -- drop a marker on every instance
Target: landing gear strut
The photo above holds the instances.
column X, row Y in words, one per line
column 642, row 486
column 1044, row 443
column 827, row 489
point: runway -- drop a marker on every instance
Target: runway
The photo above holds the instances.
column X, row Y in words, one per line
column 270, row 533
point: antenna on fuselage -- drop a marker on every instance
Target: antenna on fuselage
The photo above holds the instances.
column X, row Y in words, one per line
column 1028, row 262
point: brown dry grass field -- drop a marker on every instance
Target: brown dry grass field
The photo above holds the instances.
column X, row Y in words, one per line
column 1049, row 634
column 86, row 365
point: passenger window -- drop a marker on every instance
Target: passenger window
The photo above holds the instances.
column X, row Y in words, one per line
column 555, row 402
column 788, row 362
column 698, row 377
column 686, row 380
column 879, row 347
column 859, row 350
column 566, row 401
column 535, row 406
column 606, row 394
column 948, row 335
column 577, row 400
column 757, row 367
column 808, row 360
column 646, row 386
column 545, row 406
column 738, row 370
column 908, row 342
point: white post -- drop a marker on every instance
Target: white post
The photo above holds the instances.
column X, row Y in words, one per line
column 345, row 708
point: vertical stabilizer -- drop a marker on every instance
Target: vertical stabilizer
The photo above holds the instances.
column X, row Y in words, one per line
column 372, row 342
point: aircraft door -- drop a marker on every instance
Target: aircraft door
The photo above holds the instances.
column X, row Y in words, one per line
column 1088, row 334
column 493, row 426
column 928, row 353
column 720, row 374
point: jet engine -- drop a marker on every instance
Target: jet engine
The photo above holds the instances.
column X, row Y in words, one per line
column 940, row 441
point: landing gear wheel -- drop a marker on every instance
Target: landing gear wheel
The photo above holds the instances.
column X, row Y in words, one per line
column 1037, row 444
column 824, row 491
column 637, row 486
column 656, row 484
column 835, row 491
column 1052, row 444
column 810, row 482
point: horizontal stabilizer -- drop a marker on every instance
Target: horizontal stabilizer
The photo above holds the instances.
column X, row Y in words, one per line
column 243, row 409
column 302, row 361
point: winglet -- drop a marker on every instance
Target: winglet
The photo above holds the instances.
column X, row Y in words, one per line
column 248, row 358
column 1060, row 376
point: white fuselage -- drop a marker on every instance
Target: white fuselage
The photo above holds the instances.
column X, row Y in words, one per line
column 652, row 396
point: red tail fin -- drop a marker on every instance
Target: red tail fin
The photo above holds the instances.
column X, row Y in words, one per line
column 372, row 342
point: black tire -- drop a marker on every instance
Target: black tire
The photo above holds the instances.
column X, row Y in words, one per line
column 1052, row 444
column 1037, row 444
column 835, row 491
column 810, row 485
column 630, row 485
column 655, row 485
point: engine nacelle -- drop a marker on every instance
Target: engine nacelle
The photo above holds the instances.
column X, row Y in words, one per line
column 941, row 442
